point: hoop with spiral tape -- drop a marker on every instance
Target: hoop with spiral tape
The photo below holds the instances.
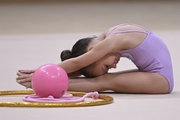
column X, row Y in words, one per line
column 103, row 99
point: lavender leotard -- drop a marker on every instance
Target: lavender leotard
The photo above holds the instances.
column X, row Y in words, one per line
column 151, row 55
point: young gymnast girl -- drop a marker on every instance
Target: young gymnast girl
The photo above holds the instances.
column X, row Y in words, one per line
column 94, row 56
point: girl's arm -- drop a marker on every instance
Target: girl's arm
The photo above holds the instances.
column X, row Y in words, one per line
column 113, row 43
column 110, row 44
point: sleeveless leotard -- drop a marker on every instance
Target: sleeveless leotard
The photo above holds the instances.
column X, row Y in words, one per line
column 151, row 55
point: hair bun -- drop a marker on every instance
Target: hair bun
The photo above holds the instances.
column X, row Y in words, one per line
column 65, row 54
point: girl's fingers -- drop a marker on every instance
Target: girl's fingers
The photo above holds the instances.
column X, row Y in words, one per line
column 24, row 78
column 26, row 71
column 20, row 74
column 28, row 86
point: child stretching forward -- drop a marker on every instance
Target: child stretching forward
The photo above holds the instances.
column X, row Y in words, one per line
column 94, row 56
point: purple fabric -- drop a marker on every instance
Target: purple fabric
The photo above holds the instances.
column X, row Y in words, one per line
column 151, row 55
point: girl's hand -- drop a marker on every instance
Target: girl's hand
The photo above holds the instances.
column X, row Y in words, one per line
column 26, row 71
column 24, row 77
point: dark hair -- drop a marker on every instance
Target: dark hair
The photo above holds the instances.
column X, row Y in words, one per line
column 79, row 48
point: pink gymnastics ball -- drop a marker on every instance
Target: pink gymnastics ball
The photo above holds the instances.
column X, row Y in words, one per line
column 50, row 80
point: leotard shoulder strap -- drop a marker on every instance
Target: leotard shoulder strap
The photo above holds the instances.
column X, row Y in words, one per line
column 127, row 31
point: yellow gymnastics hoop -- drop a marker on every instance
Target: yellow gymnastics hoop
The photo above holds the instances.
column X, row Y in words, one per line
column 105, row 100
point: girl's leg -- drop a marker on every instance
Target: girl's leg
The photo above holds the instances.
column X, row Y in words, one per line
column 125, row 82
